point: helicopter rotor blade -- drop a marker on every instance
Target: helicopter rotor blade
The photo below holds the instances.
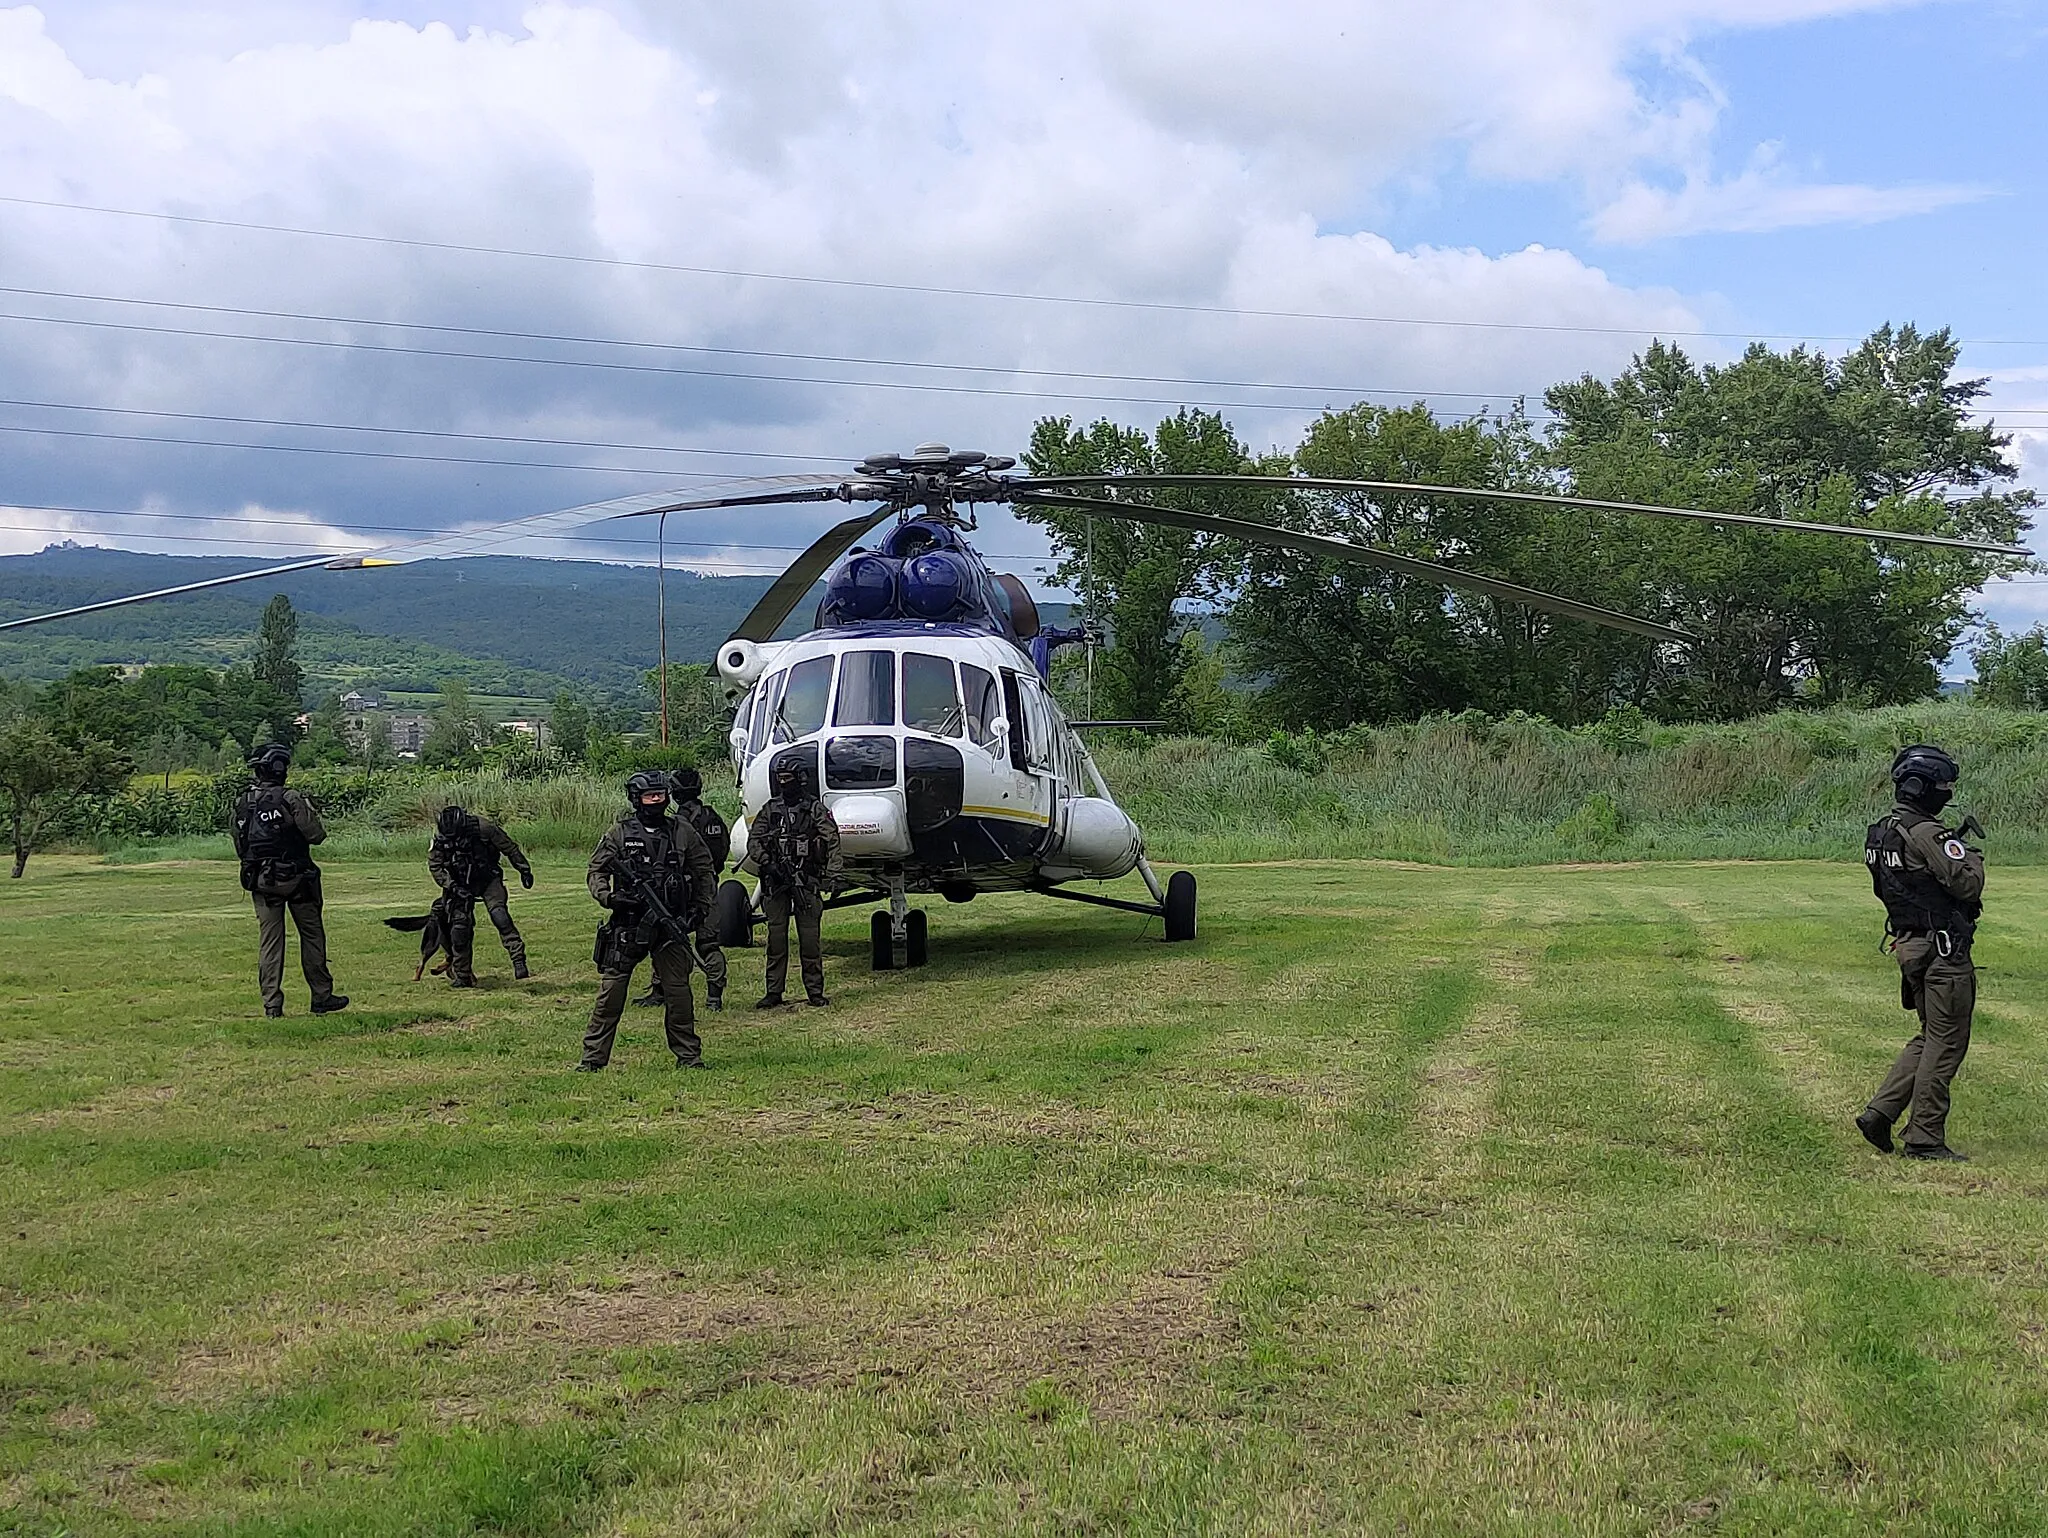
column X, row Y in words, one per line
column 1363, row 555
column 781, row 599
column 750, row 491
column 1539, row 498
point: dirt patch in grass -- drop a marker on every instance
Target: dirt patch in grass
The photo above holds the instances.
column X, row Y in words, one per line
column 129, row 1100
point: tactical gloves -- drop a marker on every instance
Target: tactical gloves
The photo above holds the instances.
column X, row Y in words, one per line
column 526, row 879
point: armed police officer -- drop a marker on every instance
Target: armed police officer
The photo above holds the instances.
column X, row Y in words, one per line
column 1932, row 885
column 274, row 830
column 794, row 844
column 464, row 861
column 655, row 876
column 686, row 791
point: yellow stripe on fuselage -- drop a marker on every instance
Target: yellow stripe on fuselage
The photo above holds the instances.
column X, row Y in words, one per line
column 1006, row 814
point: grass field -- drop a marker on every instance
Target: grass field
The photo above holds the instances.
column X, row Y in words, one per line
column 1403, row 1200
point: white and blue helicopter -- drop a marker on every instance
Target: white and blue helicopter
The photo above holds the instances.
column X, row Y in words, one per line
column 918, row 704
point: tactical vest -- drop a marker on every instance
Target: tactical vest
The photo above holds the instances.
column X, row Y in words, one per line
column 793, row 835
column 711, row 828
column 650, row 854
column 276, row 860
column 472, row 860
column 266, row 830
column 1914, row 901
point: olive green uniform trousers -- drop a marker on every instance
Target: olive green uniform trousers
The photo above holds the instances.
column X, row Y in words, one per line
column 778, row 905
column 679, row 1015
column 305, row 911
column 1944, row 994
column 462, row 932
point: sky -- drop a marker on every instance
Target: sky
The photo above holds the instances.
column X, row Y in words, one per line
column 446, row 263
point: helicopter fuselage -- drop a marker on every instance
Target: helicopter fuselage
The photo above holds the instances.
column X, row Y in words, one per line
column 945, row 760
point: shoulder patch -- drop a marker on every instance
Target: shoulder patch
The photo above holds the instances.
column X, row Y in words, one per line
column 1954, row 849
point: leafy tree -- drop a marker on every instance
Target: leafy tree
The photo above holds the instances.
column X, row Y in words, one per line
column 569, row 725
column 1135, row 578
column 2012, row 671
column 1337, row 643
column 277, row 638
column 326, row 740
column 378, row 752
column 1879, row 437
column 459, row 731
column 698, row 716
column 42, row 771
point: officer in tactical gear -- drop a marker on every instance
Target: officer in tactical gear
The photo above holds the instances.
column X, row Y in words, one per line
column 686, row 790
column 1932, row 885
column 794, row 844
column 647, row 864
column 274, row 831
column 464, row 862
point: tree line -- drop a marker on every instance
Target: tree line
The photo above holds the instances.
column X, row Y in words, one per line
column 1880, row 437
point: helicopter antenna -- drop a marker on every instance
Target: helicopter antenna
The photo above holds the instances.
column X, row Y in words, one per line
column 661, row 614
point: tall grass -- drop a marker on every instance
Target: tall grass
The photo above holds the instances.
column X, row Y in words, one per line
column 1463, row 790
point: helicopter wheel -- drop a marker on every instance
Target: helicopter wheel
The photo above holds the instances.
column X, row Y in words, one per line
column 882, row 941
column 1180, row 905
column 915, row 953
column 734, row 915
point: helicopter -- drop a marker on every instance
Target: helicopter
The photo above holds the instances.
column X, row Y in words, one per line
column 918, row 703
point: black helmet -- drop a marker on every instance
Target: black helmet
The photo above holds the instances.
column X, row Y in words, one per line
column 453, row 822
column 269, row 762
column 1925, row 776
column 644, row 782
column 687, row 784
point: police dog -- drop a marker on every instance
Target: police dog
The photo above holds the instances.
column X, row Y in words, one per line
column 433, row 927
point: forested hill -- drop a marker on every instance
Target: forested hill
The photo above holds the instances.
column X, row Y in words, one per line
column 527, row 623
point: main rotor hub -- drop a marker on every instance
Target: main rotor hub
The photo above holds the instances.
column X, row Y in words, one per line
column 929, row 480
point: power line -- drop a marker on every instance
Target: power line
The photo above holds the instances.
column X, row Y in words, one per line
column 670, row 371
column 737, row 352
column 428, row 432
column 880, row 286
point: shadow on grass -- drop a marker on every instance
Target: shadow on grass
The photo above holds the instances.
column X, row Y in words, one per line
column 298, row 1030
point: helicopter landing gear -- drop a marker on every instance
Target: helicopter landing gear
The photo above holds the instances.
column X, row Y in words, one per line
column 899, row 922
column 734, row 915
column 1180, row 905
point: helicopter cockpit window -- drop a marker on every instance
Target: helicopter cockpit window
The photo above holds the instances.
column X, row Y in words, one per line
column 867, row 690
column 931, row 703
column 984, row 704
column 745, row 718
column 801, row 708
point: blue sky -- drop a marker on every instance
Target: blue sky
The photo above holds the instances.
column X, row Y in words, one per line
column 1809, row 167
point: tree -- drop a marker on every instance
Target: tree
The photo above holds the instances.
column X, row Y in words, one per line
column 1135, row 578
column 2012, row 671
column 1879, row 437
column 569, row 725
column 459, row 731
column 326, row 740
column 42, row 771
column 377, row 749
column 698, row 716
column 277, row 638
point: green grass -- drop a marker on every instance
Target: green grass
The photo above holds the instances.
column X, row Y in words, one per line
column 1403, row 1200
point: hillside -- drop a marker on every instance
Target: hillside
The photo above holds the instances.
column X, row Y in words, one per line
column 503, row 623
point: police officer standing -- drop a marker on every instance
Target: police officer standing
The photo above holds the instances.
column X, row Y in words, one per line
column 647, row 858
column 274, row 830
column 794, row 844
column 463, row 860
column 686, row 789
column 1931, row 884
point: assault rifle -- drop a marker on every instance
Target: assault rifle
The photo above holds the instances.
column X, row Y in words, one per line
column 659, row 923
column 779, row 870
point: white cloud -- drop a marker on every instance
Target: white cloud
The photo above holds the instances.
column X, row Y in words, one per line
column 281, row 534
column 1763, row 197
column 1200, row 155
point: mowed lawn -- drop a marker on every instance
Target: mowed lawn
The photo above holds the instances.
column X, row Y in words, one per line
column 1403, row 1200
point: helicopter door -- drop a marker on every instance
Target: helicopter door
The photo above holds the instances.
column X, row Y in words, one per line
column 1031, row 746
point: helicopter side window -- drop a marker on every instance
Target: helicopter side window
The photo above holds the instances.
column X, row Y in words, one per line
column 984, row 704
column 801, row 708
column 931, row 703
column 1038, row 739
column 745, row 717
column 867, row 690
